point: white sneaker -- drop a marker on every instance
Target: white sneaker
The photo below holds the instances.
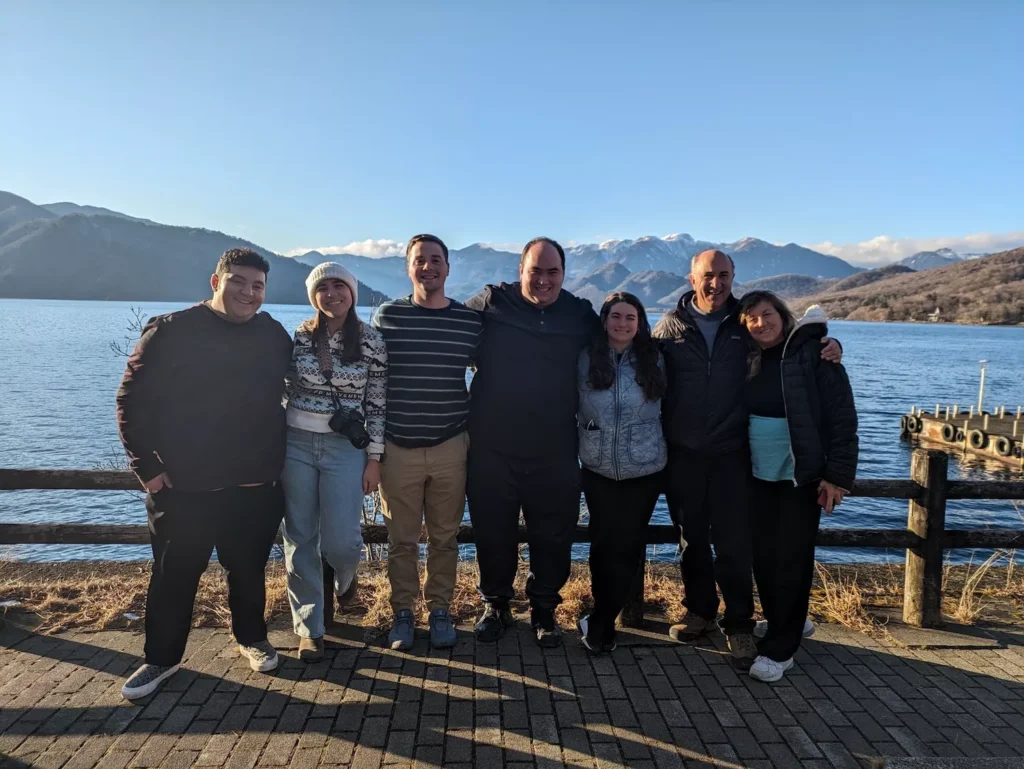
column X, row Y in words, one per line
column 761, row 628
column 768, row 670
column 261, row 655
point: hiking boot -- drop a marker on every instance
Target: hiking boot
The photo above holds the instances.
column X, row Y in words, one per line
column 146, row 680
column 311, row 649
column 403, row 631
column 442, row 629
column 549, row 634
column 742, row 648
column 493, row 624
column 768, row 670
column 692, row 628
column 261, row 655
column 761, row 628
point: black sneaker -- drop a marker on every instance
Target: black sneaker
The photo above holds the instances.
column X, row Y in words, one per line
column 493, row 624
column 549, row 635
column 146, row 680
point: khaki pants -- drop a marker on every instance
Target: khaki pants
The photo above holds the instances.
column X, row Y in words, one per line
column 416, row 486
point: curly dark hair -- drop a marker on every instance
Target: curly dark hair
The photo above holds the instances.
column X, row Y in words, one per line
column 241, row 257
column 649, row 375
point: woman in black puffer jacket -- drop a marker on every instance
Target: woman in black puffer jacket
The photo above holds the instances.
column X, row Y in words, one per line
column 803, row 447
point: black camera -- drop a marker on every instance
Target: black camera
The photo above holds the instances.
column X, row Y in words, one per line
column 349, row 423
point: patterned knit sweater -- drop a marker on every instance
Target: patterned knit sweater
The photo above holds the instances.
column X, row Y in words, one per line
column 361, row 384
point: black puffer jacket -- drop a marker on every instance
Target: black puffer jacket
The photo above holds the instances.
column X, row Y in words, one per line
column 703, row 409
column 820, row 410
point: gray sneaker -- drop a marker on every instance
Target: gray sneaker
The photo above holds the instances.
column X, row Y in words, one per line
column 442, row 630
column 743, row 649
column 402, row 632
column 261, row 655
column 146, row 680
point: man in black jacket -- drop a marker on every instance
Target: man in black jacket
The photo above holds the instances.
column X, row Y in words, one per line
column 522, row 428
column 199, row 412
column 705, row 423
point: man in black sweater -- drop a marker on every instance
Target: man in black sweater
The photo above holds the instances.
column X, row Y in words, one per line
column 522, row 427
column 200, row 416
column 708, row 473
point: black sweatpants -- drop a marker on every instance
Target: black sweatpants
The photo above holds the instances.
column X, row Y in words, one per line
column 786, row 519
column 547, row 489
column 241, row 522
column 619, row 514
column 708, row 498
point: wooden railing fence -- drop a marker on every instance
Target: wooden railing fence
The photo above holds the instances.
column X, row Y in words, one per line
column 925, row 537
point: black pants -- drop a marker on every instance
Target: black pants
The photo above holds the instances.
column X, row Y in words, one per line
column 786, row 519
column 185, row 527
column 708, row 498
column 619, row 514
column 547, row 489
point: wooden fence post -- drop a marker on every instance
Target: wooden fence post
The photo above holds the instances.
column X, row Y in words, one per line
column 632, row 614
column 922, row 594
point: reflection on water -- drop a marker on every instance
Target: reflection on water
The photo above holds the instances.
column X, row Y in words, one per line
column 57, row 410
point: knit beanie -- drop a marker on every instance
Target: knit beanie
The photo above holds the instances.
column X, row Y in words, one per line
column 327, row 270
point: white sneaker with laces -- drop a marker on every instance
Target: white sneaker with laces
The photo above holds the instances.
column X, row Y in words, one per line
column 261, row 655
column 768, row 670
column 761, row 628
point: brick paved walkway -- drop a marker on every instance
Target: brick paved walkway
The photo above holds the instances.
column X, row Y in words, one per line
column 649, row 704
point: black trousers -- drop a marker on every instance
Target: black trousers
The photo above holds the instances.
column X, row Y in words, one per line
column 786, row 519
column 709, row 499
column 547, row 489
column 619, row 514
column 185, row 527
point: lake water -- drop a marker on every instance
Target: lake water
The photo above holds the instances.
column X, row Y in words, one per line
column 58, row 376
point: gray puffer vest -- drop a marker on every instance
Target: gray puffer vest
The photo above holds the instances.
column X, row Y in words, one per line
column 620, row 431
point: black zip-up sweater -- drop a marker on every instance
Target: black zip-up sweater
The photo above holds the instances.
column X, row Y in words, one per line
column 703, row 410
column 201, row 400
column 523, row 396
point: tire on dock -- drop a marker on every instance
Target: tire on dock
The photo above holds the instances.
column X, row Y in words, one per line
column 948, row 433
column 1002, row 445
column 977, row 439
column 913, row 423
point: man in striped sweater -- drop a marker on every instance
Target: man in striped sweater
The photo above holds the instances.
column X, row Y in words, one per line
column 431, row 340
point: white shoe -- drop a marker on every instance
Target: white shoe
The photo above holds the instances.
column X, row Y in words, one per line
column 768, row 670
column 261, row 655
column 761, row 628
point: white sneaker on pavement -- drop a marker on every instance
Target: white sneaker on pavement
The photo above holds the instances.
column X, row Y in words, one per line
column 768, row 670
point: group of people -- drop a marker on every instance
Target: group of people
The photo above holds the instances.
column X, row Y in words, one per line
column 741, row 415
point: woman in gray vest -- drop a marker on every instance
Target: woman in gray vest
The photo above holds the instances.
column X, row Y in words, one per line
column 621, row 381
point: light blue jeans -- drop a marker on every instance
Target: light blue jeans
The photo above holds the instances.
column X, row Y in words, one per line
column 323, row 491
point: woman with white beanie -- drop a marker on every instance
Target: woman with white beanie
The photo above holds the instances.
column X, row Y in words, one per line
column 335, row 391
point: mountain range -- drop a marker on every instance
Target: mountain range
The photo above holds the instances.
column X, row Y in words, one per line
column 70, row 251
column 66, row 251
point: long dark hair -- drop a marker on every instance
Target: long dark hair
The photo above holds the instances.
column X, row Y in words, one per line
column 747, row 303
column 649, row 375
column 351, row 335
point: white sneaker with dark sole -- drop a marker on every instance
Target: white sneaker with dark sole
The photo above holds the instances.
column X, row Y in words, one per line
column 261, row 655
column 761, row 628
column 768, row 670
column 146, row 680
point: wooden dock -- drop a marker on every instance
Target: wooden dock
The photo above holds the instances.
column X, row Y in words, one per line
column 997, row 435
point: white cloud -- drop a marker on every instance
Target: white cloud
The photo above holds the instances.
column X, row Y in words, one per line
column 369, row 247
column 510, row 246
column 884, row 250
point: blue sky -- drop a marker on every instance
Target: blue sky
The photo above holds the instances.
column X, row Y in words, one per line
column 312, row 125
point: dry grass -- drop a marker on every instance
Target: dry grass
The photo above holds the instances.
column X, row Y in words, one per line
column 63, row 596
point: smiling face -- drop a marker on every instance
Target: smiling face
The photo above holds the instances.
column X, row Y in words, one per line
column 621, row 325
column 541, row 274
column 238, row 292
column 764, row 324
column 333, row 298
column 428, row 268
column 711, row 275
